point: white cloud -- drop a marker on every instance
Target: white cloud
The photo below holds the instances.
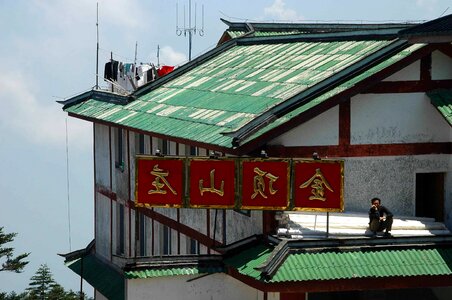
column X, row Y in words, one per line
column 431, row 7
column 23, row 116
column 169, row 56
column 124, row 13
column 278, row 10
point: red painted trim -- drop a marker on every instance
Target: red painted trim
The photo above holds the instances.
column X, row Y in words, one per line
column 362, row 150
column 344, row 123
column 446, row 49
column 413, row 86
column 184, row 229
column 292, row 296
column 173, row 224
column 359, row 284
column 335, row 100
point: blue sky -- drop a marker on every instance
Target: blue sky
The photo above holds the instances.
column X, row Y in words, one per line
column 48, row 52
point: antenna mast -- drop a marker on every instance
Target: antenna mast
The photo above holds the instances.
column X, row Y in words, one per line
column 97, row 49
column 189, row 30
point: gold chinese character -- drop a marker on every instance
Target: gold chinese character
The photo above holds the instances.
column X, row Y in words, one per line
column 212, row 188
column 316, row 182
column 160, row 176
column 259, row 183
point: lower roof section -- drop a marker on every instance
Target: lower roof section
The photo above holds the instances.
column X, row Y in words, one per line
column 343, row 264
column 305, row 265
column 336, row 264
column 99, row 275
column 442, row 100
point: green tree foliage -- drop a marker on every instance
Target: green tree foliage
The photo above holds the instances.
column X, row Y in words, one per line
column 13, row 264
column 42, row 283
column 42, row 286
column 13, row 296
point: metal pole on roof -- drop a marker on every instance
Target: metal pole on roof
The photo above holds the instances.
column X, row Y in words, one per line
column 189, row 30
column 97, row 49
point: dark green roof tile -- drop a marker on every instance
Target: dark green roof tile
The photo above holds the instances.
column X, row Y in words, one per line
column 346, row 265
column 232, row 88
column 442, row 100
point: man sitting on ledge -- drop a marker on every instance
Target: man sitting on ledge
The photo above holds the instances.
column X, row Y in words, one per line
column 380, row 218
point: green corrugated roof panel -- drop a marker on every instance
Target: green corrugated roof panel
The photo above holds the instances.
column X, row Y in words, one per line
column 151, row 273
column 344, row 86
column 99, row 275
column 442, row 100
column 232, row 88
column 249, row 259
column 349, row 265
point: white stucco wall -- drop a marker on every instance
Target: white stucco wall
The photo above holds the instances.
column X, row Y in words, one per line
column 396, row 118
column 410, row 72
column 391, row 178
column 99, row 296
column 240, row 226
column 321, row 130
column 441, row 66
column 102, row 155
column 214, row 286
column 103, row 226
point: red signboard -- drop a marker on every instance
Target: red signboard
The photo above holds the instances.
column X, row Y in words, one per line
column 242, row 183
column 265, row 184
column 212, row 183
column 159, row 182
column 318, row 185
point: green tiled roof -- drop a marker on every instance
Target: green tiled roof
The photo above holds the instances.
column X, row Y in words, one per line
column 342, row 87
column 164, row 272
column 99, row 275
column 346, row 265
column 233, row 87
column 442, row 100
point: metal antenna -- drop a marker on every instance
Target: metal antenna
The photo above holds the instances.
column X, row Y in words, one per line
column 97, row 49
column 158, row 55
column 189, row 30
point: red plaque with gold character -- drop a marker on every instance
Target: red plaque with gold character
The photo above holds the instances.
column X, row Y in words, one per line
column 318, row 185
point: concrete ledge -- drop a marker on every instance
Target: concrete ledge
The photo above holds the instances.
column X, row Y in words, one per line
column 311, row 224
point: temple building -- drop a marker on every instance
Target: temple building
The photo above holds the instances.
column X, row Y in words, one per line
column 370, row 103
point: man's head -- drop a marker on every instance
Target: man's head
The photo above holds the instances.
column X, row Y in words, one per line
column 375, row 202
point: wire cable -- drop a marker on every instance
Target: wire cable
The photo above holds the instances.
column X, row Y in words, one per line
column 67, row 187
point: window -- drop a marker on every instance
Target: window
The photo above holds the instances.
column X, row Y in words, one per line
column 192, row 246
column 121, row 229
column 119, row 153
column 139, row 143
column 193, row 151
column 163, row 146
column 166, row 240
column 142, row 234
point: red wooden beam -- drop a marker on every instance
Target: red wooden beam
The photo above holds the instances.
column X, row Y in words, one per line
column 362, row 150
